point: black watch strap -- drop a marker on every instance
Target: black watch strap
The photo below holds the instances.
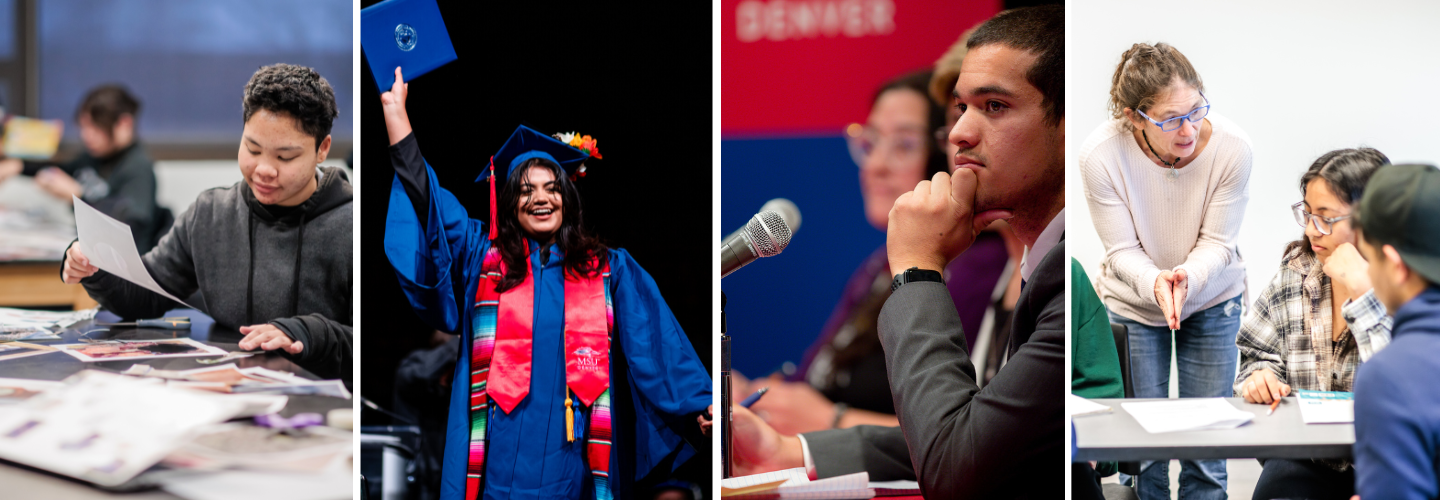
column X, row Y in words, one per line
column 915, row 274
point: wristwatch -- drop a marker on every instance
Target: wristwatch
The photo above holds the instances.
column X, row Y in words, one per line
column 915, row 274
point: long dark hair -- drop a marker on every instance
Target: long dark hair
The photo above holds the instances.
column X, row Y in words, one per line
column 919, row 82
column 1346, row 171
column 578, row 244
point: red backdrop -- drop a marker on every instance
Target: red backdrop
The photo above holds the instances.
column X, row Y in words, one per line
column 801, row 67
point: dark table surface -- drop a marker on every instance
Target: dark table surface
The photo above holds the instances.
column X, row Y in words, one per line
column 58, row 365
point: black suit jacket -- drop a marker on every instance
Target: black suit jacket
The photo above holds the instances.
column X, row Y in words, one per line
column 1004, row 441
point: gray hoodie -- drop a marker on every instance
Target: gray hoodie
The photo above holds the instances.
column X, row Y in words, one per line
column 251, row 267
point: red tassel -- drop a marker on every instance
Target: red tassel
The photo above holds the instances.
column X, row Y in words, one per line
column 494, row 228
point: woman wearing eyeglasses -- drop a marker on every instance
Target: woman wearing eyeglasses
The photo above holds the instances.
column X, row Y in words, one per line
column 1166, row 181
column 1317, row 320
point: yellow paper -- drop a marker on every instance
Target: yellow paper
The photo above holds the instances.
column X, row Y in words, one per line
column 31, row 139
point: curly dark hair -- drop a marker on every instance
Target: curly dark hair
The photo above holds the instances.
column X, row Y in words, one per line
column 294, row 90
column 574, row 240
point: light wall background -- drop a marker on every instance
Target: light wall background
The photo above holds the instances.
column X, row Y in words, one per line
column 1300, row 77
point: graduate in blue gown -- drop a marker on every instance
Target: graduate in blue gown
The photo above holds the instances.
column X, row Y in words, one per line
column 541, row 446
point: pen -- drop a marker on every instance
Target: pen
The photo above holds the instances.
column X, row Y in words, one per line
column 755, row 397
column 1273, row 406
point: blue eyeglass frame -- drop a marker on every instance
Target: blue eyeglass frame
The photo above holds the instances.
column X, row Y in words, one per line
column 1162, row 125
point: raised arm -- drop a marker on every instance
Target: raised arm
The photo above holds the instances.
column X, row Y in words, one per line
column 430, row 239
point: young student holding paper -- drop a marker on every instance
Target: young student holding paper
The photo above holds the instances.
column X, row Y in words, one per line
column 114, row 173
column 1317, row 320
column 271, row 255
column 1397, row 403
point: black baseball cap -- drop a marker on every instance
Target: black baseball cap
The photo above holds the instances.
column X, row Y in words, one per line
column 1401, row 208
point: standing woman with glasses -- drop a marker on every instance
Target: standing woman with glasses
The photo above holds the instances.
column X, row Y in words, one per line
column 1317, row 320
column 1166, row 181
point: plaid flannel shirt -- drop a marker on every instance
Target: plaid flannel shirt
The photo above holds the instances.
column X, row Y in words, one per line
column 1289, row 330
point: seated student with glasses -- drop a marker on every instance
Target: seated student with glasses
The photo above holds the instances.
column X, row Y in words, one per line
column 1317, row 320
column 1166, row 181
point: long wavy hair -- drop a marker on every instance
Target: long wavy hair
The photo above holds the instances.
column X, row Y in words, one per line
column 1346, row 171
column 579, row 246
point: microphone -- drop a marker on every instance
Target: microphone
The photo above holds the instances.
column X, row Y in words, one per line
column 787, row 210
column 764, row 236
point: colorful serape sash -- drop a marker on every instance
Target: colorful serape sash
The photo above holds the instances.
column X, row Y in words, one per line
column 503, row 340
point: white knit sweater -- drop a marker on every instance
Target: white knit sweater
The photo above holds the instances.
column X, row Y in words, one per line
column 1149, row 222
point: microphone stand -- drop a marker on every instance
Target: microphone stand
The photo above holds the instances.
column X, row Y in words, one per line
column 725, row 396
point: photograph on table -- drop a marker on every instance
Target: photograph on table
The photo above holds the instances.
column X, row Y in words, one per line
column 540, row 304
column 13, row 350
column 868, row 346
column 145, row 349
column 169, row 194
column 1223, row 306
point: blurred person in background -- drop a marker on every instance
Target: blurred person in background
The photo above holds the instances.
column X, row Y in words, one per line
column 113, row 173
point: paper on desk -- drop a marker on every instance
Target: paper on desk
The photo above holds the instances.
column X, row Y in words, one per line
column 795, row 483
column 105, row 428
column 1195, row 414
column 1326, row 407
column 895, row 488
column 109, row 245
column 1081, row 406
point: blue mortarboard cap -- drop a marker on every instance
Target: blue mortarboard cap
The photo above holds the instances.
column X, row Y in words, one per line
column 525, row 143
column 405, row 33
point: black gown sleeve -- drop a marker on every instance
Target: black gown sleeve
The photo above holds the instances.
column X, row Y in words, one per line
column 410, row 167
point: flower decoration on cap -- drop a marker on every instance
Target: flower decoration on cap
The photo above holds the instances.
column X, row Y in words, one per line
column 586, row 144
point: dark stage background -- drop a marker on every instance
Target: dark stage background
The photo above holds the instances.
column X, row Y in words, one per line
column 636, row 80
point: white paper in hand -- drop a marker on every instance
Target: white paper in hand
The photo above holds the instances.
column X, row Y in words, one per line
column 108, row 244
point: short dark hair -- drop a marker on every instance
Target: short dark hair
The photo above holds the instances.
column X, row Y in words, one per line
column 104, row 105
column 294, row 90
column 918, row 82
column 1040, row 30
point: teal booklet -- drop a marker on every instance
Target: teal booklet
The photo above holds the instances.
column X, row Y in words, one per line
column 1326, row 407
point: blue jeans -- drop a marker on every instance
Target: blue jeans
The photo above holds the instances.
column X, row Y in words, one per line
column 1206, row 356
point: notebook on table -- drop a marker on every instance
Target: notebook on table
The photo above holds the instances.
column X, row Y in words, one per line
column 794, row 483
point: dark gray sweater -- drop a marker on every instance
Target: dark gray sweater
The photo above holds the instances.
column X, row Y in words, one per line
column 251, row 267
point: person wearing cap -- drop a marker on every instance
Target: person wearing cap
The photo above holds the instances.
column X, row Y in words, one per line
column 1317, row 320
column 270, row 255
column 1397, row 403
column 539, row 303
